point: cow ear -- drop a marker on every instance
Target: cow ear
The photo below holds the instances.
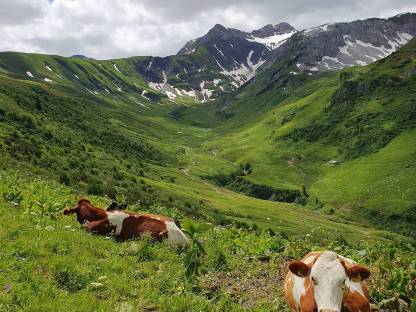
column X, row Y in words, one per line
column 299, row 268
column 358, row 273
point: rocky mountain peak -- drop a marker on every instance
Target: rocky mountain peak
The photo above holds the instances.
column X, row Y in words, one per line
column 271, row 30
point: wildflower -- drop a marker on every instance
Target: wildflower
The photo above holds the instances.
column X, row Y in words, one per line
column 49, row 228
column 7, row 287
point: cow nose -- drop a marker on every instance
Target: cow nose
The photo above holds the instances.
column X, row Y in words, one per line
column 328, row 310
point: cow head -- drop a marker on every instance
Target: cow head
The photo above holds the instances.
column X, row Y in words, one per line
column 326, row 277
column 82, row 202
column 86, row 211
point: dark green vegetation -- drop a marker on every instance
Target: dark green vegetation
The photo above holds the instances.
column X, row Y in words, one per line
column 192, row 163
column 236, row 182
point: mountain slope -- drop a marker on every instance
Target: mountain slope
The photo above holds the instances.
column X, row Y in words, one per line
column 334, row 46
column 221, row 61
column 288, row 127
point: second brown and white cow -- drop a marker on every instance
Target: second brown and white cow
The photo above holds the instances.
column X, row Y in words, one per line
column 327, row 282
column 126, row 225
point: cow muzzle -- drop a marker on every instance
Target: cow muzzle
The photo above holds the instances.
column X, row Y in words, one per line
column 328, row 310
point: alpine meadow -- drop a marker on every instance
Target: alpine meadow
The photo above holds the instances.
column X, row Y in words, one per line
column 261, row 146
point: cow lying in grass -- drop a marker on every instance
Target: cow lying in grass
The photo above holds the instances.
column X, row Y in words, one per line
column 126, row 225
column 327, row 282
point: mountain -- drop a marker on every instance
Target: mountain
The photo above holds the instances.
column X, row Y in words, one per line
column 222, row 60
column 335, row 46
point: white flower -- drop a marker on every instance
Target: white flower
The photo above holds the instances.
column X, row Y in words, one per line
column 49, row 228
column 96, row 284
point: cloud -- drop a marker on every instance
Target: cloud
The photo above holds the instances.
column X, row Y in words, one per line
column 109, row 29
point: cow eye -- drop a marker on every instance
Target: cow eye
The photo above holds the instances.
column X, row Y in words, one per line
column 314, row 281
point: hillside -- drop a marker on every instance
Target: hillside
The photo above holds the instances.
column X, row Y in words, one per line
column 288, row 127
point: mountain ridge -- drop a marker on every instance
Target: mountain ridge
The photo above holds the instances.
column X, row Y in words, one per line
column 225, row 59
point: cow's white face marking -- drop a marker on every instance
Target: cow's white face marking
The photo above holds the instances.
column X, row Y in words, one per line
column 175, row 235
column 328, row 276
column 116, row 219
column 298, row 289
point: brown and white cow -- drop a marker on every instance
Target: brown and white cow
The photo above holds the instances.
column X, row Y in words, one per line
column 126, row 225
column 327, row 282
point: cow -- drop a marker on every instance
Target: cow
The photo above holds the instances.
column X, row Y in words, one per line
column 327, row 282
column 126, row 225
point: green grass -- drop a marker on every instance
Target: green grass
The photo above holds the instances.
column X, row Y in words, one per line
column 49, row 263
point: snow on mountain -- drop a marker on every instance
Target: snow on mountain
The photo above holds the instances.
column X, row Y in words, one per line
column 274, row 41
column 355, row 52
column 337, row 45
column 243, row 73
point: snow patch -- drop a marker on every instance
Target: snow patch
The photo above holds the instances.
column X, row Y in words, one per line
column 143, row 94
column 48, row 68
column 29, row 74
column 137, row 101
column 356, row 52
column 47, row 80
column 215, row 46
column 206, row 93
column 243, row 73
column 272, row 42
column 116, row 68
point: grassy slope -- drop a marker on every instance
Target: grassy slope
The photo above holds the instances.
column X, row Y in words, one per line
column 61, row 267
column 364, row 117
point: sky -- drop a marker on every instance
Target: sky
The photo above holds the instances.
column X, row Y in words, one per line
column 105, row 29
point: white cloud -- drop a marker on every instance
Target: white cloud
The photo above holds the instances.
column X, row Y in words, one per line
column 119, row 28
